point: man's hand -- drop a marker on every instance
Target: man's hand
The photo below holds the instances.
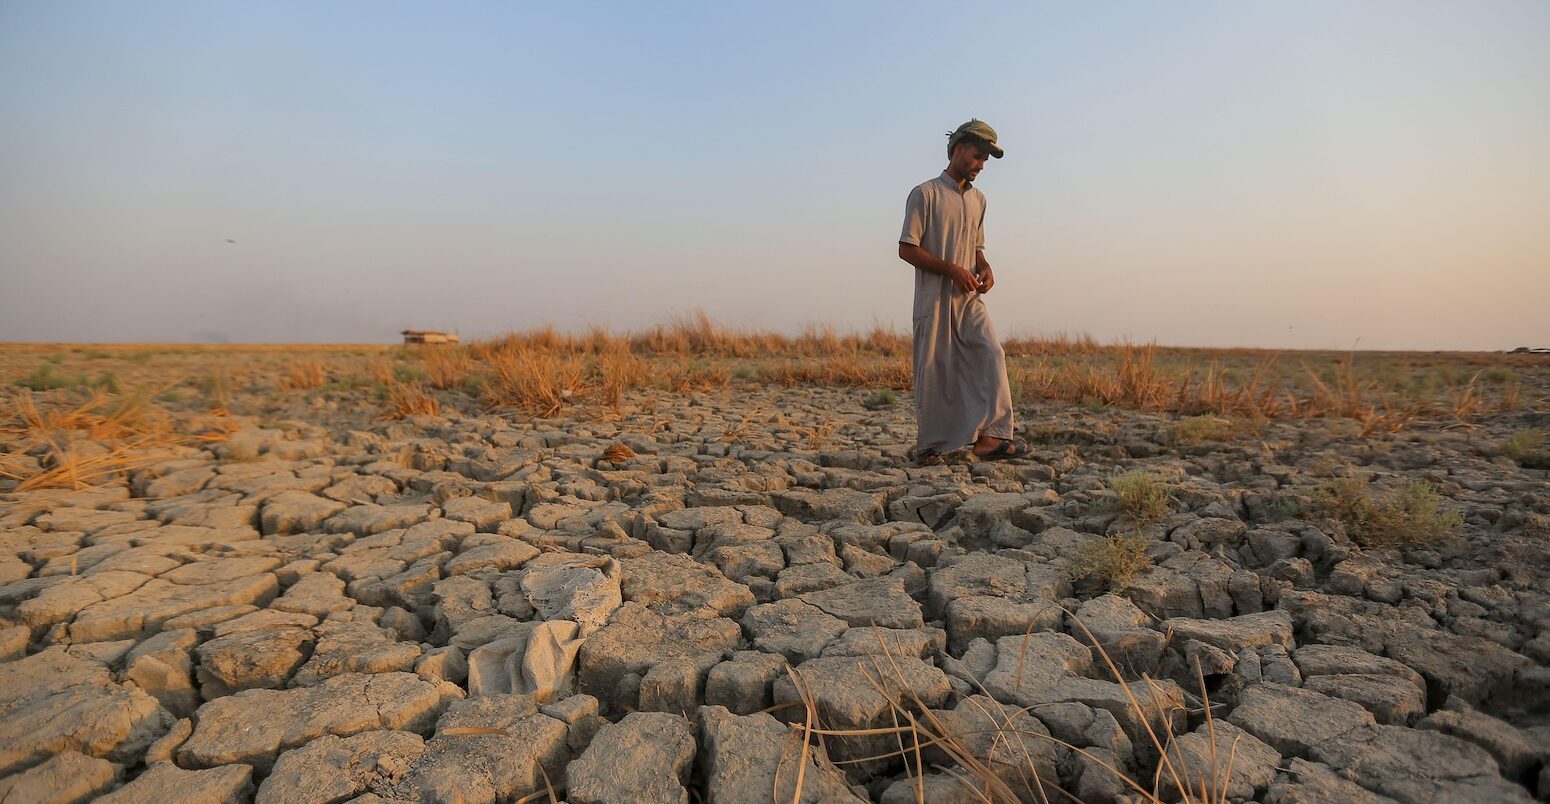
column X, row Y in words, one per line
column 987, row 278
column 964, row 279
column 957, row 274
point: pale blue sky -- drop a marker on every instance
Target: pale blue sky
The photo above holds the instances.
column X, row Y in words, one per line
column 1292, row 174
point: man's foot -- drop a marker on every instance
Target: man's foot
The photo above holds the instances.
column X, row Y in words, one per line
column 999, row 449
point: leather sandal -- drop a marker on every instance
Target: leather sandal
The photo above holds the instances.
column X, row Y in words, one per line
column 929, row 457
column 1008, row 448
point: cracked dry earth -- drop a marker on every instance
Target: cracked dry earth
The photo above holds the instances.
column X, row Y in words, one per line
column 476, row 608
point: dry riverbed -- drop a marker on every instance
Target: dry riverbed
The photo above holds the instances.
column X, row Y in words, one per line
column 672, row 598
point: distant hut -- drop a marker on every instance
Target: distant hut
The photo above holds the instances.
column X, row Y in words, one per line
column 417, row 336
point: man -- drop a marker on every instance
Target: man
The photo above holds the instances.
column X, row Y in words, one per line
column 962, row 397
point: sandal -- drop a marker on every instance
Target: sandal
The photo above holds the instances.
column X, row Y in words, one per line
column 929, row 457
column 1008, row 448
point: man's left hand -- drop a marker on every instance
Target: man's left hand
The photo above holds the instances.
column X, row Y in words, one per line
column 987, row 279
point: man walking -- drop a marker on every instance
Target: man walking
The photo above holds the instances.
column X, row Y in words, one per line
column 961, row 393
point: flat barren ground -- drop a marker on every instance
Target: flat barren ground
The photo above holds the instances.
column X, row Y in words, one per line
column 705, row 568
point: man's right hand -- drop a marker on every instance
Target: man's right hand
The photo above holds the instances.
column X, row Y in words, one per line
column 965, row 280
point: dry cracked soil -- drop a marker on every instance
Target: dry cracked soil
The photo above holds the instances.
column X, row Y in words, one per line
column 648, row 606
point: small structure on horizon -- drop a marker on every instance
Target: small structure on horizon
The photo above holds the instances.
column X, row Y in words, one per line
column 413, row 336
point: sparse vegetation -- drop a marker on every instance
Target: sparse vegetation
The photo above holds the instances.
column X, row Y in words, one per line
column 1001, row 766
column 617, row 371
column 45, row 378
column 406, row 373
column 1527, row 448
column 539, row 382
column 685, row 377
column 1409, row 515
column 1109, row 561
column 817, row 437
column 74, row 443
column 881, row 398
column 1198, row 429
column 1142, row 496
column 107, row 381
column 214, row 387
column 303, row 374
column 446, row 367
column 411, row 399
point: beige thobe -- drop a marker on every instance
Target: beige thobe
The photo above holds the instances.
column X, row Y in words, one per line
column 961, row 389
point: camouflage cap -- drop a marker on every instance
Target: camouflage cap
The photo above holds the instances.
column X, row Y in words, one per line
column 978, row 130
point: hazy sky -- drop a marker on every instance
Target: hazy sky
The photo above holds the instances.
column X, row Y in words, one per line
column 1297, row 174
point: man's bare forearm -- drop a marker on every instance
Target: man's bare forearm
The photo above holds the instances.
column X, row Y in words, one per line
column 920, row 258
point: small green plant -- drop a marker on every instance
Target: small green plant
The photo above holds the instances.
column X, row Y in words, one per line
column 1527, row 448
column 1410, row 515
column 1197, row 429
column 1496, row 375
column 44, row 378
column 1142, row 496
column 139, row 357
column 881, row 398
column 351, row 383
column 1110, row 561
column 172, row 395
column 95, row 354
column 107, row 381
column 408, row 373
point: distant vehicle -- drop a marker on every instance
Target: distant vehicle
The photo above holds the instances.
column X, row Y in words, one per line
column 412, row 336
column 1530, row 350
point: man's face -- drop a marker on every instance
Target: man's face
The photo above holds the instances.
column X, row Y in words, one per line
column 968, row 160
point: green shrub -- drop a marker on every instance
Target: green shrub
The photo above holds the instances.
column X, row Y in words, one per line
column 107, row 381
column 1410, row 515
column 1527, row 448
column 1196, row 429
column 406, row 373
column 1496, row 375
column 1142, row 496
column 43, row 378
column 1111, row 561
column 881, row 398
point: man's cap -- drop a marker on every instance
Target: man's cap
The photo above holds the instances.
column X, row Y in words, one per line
column 979, row 130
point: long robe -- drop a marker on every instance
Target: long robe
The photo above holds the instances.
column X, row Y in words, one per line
column 961, row 389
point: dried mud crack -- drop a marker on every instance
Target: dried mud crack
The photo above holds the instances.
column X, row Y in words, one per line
column 752, row 594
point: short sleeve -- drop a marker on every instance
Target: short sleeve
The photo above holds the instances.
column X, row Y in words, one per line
column 914, row 218
column 979, row 231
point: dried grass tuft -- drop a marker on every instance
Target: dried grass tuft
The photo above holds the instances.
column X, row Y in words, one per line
column 1007, row 774
column 301, row 375
column 80, row 443
column 539, row 382
column 446, row 367
column 407, row 399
